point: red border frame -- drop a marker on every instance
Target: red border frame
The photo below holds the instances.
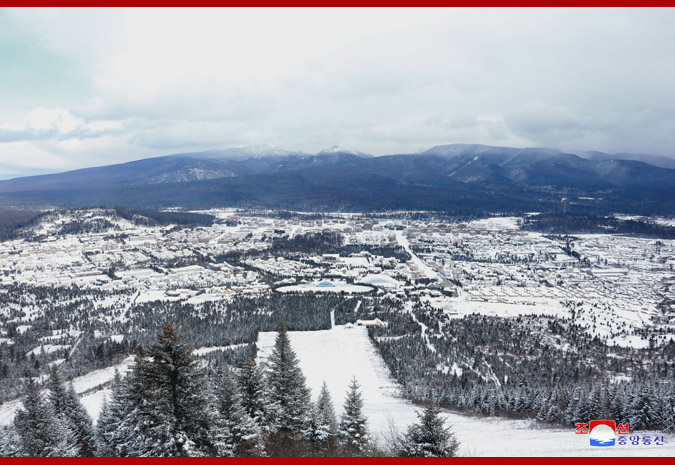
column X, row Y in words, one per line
column 342, row 3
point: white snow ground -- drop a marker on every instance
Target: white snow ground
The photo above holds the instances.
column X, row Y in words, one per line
column 338, row 354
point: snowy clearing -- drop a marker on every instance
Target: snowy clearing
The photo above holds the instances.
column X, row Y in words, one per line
column 336, row 355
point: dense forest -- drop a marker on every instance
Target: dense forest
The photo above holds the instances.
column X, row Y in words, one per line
column 590, row 224
column 547, row 368
column 79, row 324
column 171, row 405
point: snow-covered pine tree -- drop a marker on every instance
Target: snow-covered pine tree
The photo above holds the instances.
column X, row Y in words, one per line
column 289, row 397
column 253, row 391
column 67, row 405
column 430, row 437
column 667, row 407
column 114, row 429
column 574, row 399
column 618, row 404
column 176, row 390
column 584, row 410
column 353, row 428
column 57, row 390
column 326, row 421
column 323, row 425
column 80, row 422
column 42, row 432
column 644, row 410
column 104, row 423
column 130, row 415
column 236, row 433
column 10, row 443
column 595, row 403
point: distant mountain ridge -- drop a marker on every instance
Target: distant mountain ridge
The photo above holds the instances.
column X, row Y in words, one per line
column 460, row 178
column 183, row 167
column 655, row 160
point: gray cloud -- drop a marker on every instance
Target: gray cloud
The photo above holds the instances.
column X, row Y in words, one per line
column 381, row 81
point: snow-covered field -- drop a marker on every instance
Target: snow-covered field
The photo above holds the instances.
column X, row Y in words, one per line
column 336, row 355
column 498, row 223
column 326, row 286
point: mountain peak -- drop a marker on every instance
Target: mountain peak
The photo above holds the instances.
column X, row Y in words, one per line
column 338, row 149
column 257, row 151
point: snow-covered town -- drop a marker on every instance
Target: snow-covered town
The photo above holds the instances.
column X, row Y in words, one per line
column 116, row 273
column 487, row 266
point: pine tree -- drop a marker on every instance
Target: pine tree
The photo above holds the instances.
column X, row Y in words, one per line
column 595, row 403
column 323, row 431
column 353, row 428
column 67, row 405
column 430, row 437
column 237, row 434
column 10, row 443
column 80, row 422
column 253, row 391
column 618, row 405
column 42, row 432
column 289, row 397
column 57, row 390
column 667, row 407
column 326, row 410
column 177, row 390
column 643, row 410
column 165, row 405
column 115, row 433
column 103, row 425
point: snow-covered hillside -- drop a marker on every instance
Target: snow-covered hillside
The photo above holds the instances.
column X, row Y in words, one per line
column 338, row 354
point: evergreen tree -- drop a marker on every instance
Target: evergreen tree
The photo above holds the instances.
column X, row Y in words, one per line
column 103, row 425
column 323, row 430
column 42, row 432
column 353, row 428
column 430, row 437
column 115, row 433
column 57, row 390
column 667, row 407
column 253, row 391
column 643, row 410
column 176, row 389
column 10, row 443
column 164, row 406
column 289, row 397
column 595, row 403
column 326, row 414
column 80, row 423
column 237, row 434
column 67, row 405
column 618, row 405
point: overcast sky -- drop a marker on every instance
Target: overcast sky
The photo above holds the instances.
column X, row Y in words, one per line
column 83, row 87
